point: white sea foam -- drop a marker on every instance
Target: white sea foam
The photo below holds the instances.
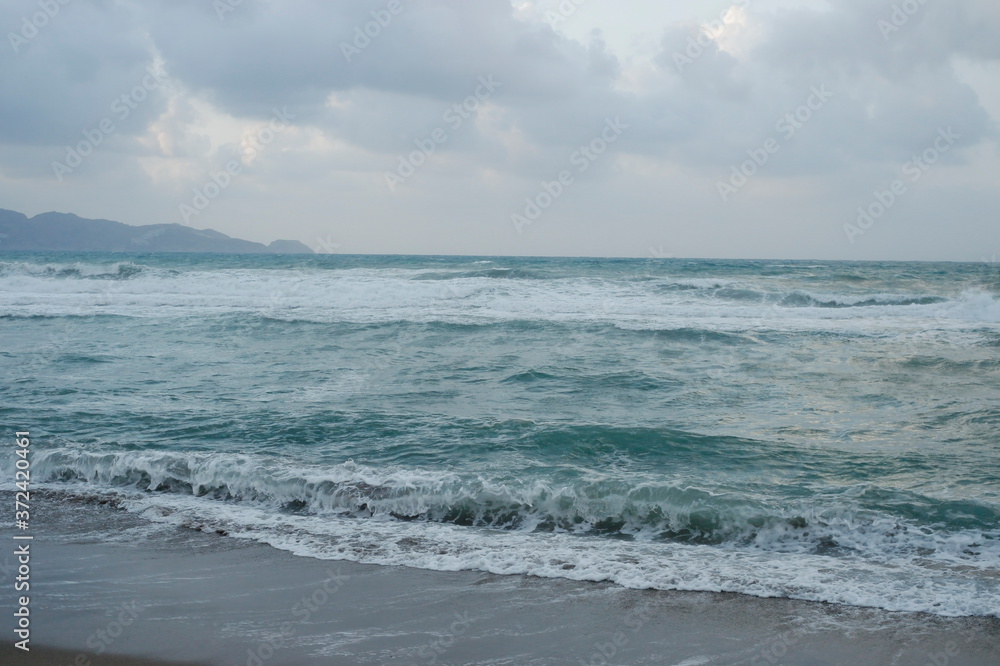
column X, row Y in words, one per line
column 392, row 295
column 79, row 270
column 663, row 566
column 349, row 512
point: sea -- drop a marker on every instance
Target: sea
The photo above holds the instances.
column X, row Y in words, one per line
column 824, row 431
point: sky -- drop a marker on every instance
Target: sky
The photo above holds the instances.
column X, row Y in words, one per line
column 819, row 129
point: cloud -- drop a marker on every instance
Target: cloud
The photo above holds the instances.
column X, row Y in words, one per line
column 368, row 81
column 67, row 76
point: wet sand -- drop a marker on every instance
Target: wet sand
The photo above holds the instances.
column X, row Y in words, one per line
column 181, row 595
column 39, row 656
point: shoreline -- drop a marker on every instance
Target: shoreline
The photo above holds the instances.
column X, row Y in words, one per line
column 208, row 599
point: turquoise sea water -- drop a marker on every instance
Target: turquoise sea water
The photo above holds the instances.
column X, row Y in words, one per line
column 817, row 430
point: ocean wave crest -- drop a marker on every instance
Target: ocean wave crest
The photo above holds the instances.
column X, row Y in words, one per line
column 121, row 270
column 897, row 525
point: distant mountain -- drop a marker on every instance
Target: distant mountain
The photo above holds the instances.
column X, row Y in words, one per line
column 64, row 231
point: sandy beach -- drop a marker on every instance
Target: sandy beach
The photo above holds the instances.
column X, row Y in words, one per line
column 182, row 595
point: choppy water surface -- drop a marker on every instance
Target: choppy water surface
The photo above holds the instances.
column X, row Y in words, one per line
column 825, row 431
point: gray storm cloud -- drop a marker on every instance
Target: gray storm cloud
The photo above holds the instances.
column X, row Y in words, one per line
column 369, row 81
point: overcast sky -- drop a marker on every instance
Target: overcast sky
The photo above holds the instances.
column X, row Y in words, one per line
column 836, row 129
